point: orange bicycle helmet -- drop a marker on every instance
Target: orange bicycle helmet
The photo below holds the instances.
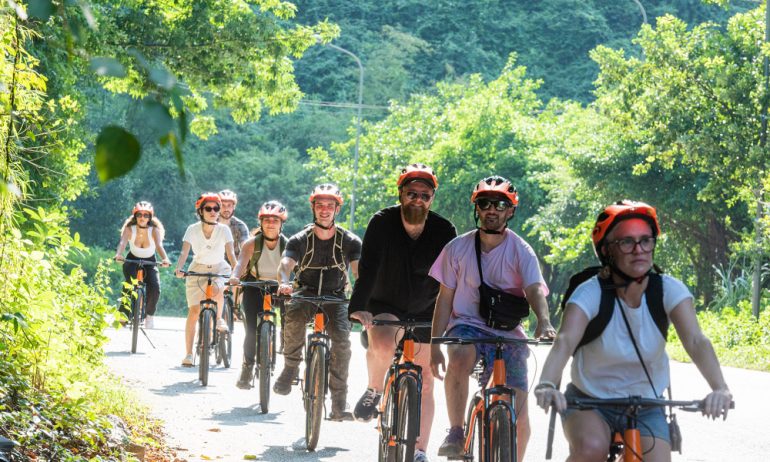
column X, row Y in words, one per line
column 273, row 209
column 207, row 197
column 227, row 195
column 418, row 172
column 326, row 191
column 496, row 186
column 143, row 206
column 617, row 212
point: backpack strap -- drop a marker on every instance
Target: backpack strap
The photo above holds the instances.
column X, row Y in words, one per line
column 654, row 295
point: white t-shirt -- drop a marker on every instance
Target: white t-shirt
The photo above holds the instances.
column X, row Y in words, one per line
column 208, row 251
column 609, row 367
column 512, row 266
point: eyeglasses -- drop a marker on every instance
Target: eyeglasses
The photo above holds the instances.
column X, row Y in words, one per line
column 412, row 195
column 499, row 205
column 143, row 215
column 628, row 244
column 211, row 209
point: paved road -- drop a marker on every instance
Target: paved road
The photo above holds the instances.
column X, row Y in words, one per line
column 221, row 422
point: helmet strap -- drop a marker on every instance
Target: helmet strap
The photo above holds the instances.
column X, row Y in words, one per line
column 204, row 220
column 487, row 231
column 269, row 239
column 141, row 227
column 315, row 223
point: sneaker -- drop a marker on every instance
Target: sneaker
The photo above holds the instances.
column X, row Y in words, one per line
column 187, row 361
column 420, row 456
column 149, row 322
column 339, row 413
column 284, row 381
column 453, row 445
column 247, row 375
column 222, row 325
column 366, row 408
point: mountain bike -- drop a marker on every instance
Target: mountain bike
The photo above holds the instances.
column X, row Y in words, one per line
column 223, row 353
column 208, row 336
column 399, row 412
column 139, row 301
column 317, row 355
column 266, row 335
column 490, row 424
column 627, row 447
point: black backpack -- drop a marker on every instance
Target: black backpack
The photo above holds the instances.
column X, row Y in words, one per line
column 595, row 327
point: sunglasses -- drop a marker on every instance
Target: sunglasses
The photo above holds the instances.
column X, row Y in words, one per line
column 499, row 205
column 628, row 244
column 211, row 209
column 143, row 215
column 425, row 197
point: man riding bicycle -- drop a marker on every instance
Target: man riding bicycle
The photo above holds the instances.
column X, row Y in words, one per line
column 628, row 356
column 259, row 259
column 400, row 245
column 510, row 271
column 227, row 217
column 319, row 256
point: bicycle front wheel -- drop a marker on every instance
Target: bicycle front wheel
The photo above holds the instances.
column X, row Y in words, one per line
column 501, row 435
column 205, row 341
column 407, row 418
column 386, row 422
column 315, row 391
column 474, row 428
column 264, row 363
column 138, row 307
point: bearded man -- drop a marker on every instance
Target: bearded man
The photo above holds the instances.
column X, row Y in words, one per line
column 399, row 247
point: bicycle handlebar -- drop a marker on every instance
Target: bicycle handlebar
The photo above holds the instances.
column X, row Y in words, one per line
column 406, row 323
column 207, row 275
column 636, row 401
column 141, row 262
column 494, row 340
column 260, row 284
column 315, row 300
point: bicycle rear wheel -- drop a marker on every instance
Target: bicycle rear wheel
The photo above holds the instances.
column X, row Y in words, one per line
column 138, row 307
column 407, row 418
column 315, row 391
column 266, row 345
column 501, row 435
column 205, row 341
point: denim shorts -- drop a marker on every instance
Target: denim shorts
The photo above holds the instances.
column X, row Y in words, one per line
column 650, row 421
column 515, row 356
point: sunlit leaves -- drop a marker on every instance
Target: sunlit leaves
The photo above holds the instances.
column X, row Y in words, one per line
column 117, row 151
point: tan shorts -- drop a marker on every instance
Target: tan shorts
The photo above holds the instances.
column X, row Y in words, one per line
column 195, row 287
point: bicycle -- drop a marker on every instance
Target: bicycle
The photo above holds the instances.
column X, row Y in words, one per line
column 627, row 447
column 139, row 302
column 317, row 355
column 266, row 330
column 399, row 412
column 208, row 336
column 491, row 418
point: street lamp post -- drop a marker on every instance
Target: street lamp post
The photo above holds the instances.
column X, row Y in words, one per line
column 358, row 127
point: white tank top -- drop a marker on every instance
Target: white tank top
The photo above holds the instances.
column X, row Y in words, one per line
column 142, row 252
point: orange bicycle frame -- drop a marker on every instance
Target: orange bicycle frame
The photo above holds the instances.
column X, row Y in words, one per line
column 319, row 324
column 632, row 444
column 267, row 306
column 407, row 355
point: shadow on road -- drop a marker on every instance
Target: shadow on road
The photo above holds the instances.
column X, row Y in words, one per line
column 238, row 416
column 297, row 451
column 180, row 388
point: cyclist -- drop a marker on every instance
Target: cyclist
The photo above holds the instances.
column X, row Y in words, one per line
column 320, row 256
column 259, row 259
column 400, row 244
column 624, row 239
column 209, row 241
column 143, row 232
column 227, row 217
column 509, row 266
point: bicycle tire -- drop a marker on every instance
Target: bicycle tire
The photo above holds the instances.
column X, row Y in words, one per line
column 225, row 339
column 205, row 337
column 386, row 424
column 477, row 439
column 138, row 306
column 501, row 435
column 408, row 418
column 315, row 394
column 264, row 363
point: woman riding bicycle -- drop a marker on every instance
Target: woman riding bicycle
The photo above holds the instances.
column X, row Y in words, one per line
column 143, row 233
column 209, row 241
column 259, row 259
column 610, row 366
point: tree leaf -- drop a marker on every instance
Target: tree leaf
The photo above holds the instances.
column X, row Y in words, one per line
column 107, row 67
column 41, row 9
column 163, row 78
column 158, row 117
column 117, row 151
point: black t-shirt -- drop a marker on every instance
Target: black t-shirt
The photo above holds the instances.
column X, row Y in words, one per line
column 393, row 271
column 326, row 266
